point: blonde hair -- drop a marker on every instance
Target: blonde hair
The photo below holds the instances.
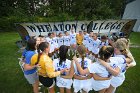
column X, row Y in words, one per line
column 119, row 44
column 126, row 41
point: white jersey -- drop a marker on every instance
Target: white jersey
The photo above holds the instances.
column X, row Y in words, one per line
column 67, row 40
column 50, row 41
column 86, row 85
column 61, row 82
column 95, row 47
column 101, row 71
column 73, row 38
column 121, row 63
column 104, row 44
column 60, row 41
column 55, row 40
column 89, row 43
column 85, row 41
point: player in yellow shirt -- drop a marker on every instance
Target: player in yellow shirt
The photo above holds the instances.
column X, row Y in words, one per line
column 79, row 38
column 46, row 70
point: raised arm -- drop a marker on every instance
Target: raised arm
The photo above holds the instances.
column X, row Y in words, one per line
column 133, row 62
column 114, row 71
column 82, row 71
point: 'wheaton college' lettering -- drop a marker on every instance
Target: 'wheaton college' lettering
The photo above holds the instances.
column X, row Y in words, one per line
column 96, row 26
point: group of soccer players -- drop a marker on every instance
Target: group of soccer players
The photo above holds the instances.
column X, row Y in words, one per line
column 96, row 63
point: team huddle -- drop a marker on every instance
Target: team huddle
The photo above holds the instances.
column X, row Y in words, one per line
column 76, row 62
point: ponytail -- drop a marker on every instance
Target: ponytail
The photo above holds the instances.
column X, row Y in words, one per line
column 82, row 63
column 60, row 62
column 39, row 55
column 82, row 51
column 63, row 53
column 40, row 48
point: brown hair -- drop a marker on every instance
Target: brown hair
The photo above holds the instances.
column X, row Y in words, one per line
column 106, row 52
column 41, row 47
column 82, row 51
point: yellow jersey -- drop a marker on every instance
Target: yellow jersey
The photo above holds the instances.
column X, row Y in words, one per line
column 46, row 68
column 79, row 39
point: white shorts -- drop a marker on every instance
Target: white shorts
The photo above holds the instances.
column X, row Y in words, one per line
column 86, row 85
column 99, row 85
column 89, row 48
column 66, row 83
column 117, row 81
column 95, row 50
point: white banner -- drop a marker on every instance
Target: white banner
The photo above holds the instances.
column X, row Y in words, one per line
column 108, row 26
column 35, row 29
column 99, row 26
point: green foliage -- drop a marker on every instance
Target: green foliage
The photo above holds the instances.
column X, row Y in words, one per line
column 13, row 11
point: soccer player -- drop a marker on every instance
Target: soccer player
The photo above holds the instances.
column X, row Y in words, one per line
column 46, row 71
column 82, row 82
column 30, row 72
column 60, row 39
column 61, row 63
column 102, row 82
column 66, row 39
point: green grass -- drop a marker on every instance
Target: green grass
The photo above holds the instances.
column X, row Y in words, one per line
column 134, row 38
column 12, row 79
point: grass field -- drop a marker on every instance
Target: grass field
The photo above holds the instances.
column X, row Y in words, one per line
column 13, row 81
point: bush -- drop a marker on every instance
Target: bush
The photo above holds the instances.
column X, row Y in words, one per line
column 7, row 23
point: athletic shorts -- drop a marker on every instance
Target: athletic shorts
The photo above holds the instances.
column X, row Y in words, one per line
column 99, row 85
column 117, row 81
column 46, row 81
column 66, row 83
column 86, row 85
column 31, row 78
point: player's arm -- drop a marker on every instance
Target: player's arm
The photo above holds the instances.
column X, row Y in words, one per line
column 128, row 60
column 71, row 73
column 133, row 62
column 27, row 65
column 97, row 77
column 82, row 71
column 78, row 77
column 114, row 71
column 51, row 71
